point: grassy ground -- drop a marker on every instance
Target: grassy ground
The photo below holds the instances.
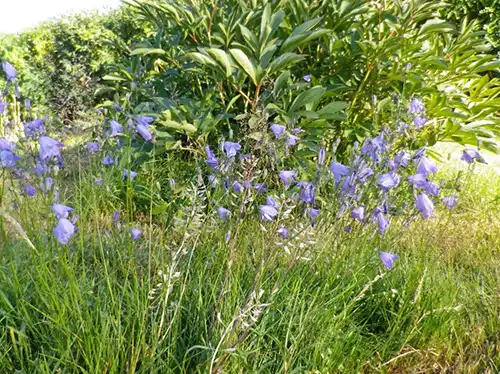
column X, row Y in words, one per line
column 167, row 303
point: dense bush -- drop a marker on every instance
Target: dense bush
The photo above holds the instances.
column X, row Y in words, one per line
column 228, row 69
column 486, row 12
column 61, row 62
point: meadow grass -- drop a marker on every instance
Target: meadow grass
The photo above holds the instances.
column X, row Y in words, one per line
column 185, row 299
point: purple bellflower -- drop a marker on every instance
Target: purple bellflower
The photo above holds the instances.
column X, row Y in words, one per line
column 425, row 205
column 388, row 259
column 49, row 148
column 64, row 231
column 287, row 177
column 267, row 212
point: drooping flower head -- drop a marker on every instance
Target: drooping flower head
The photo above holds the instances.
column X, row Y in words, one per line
column 64, row 231
column 237, row 187
column 126, row 173
column 277, row 130
column 307, row 194
column 8, row 159
column 136, row 233
column 61, row 211
column 431, row 188
column 402, row 159
column 27, row 104
column 364, row 174
column 307, row 78
column 358, row 213
column 143, row 131
column 470, row 155
column 291, row 140
column 287, row 177
column 283, row 232
column 224, row 213
column 321, row 156
column 425, row 205
column 116, row 128
column 107, row 160
column 419, row 121
column 116, row 216
column 10, row 71
column 338, row 170
column 6, row 145
column 450, row 202
column 373, row 147
column 93, row 147
column 418, row 180
column 49, row 148
column 426, row 166
column 416, row 106
column 388, row 259
column 231, row 148
column 272, row 202
column 47, row 184
column 267, row 212
column 34, row 128
column 3, row 105
column 383, row 222
column 312, row 214
column 29, row 190
column 388, row 180
column 211, row 159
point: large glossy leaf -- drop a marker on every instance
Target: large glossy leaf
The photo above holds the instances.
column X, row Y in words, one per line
column 284, row 62
column 147, row 51
column 222, row 58
column 244, row 63
column 310, row 96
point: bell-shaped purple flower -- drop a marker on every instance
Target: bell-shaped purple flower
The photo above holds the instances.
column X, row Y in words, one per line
column 338, row 170
column 34, row 128
column 450, row 202
column 321, row 156
column 224, row 213
column 426, row 166
column 10, row 71
column 283, row 232
column 277, row 130
column 136, row 233
column 49, row 148
column 364, row 174
column 388, row 259
column 29, row 190
column 107, row 160
column 8, row 159
column 116, row 216
column 470, row 155
column 287, row 177
column 431, row 188
column 41, row 169
column 267, row 212
column 144, row 120
column 291, row 140
column 237, row 187
column 383, row 223
column 418, row 180
column 272, row 202
column 307, row 78
column 211, row 159
column 27, row 104
column 388, row 180
column 231, row 148
column 3, row 105
column 93, row 147
column 402, row 159
column 64, row 231
column 61, row 211
column 312, row 214
column 126, row 173
column 416, row 106
column 419, row 121
column 358, row 213
column 116, row 128
column 143, row 131
column 6, row 145
column 425, row 205
column 47, row 184
column 306, row 192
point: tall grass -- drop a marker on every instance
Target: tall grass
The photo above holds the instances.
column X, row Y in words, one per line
column 186, row 299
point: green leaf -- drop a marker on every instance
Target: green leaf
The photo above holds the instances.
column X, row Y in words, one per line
column 309, row 96
column 284, row 62
column 181, row 127
column 202, row 58
column 436, row 25
column 295, row 41
column 222, row 58
column 147, row 51
column 332, row 108
column 280, row 83
column 265, row 26
column 244, row 63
